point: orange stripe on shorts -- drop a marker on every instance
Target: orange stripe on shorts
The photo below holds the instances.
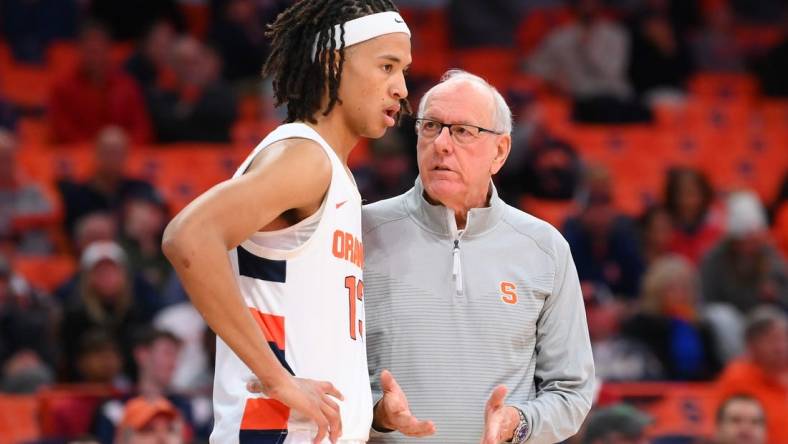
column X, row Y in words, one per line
column 265, row 414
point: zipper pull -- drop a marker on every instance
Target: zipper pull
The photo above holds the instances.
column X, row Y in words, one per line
column 457, row 269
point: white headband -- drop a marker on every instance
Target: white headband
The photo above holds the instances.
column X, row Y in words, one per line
column 366, row 28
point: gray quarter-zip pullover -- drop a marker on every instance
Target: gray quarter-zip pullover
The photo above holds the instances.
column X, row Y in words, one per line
column 454, row 313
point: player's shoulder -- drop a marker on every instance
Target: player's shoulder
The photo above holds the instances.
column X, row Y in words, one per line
column 295, row 156
column 543, row 234
column 383, row 211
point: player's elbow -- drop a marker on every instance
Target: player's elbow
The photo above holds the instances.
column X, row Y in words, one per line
column 174, row 241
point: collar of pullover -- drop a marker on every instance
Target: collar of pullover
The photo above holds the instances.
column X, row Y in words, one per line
column 440, row 220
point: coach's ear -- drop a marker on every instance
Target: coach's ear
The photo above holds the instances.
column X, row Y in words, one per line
column 502, row 147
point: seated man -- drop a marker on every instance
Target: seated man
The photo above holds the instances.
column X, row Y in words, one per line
column 762, row 373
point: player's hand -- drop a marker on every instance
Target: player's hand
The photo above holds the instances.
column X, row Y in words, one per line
column 310, row 398
column 392, row 411
column 499, row 420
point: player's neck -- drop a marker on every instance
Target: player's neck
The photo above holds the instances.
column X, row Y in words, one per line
column 337, row 133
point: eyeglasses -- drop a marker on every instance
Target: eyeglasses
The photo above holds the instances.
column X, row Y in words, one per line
column 461, row 133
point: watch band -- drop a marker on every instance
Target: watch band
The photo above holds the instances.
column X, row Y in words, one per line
column 521, row 431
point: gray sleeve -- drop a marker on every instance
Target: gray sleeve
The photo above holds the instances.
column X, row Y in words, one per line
column 564, row 363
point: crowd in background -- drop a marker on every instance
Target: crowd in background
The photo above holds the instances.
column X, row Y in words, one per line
column 695, row 288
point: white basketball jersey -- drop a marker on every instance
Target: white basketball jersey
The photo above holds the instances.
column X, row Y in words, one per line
column 309, row 303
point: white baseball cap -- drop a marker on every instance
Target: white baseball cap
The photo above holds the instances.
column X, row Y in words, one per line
column 745, row 214
column 100, row 251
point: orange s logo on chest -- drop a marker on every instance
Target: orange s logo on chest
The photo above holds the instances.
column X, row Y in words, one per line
column 508, row 293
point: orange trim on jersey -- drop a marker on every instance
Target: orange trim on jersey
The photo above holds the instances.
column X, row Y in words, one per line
column 273, row 327
column 265, row 414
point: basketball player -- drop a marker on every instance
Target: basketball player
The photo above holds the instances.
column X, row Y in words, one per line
column 288, row 304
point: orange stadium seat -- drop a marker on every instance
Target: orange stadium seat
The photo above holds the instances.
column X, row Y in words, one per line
column 67, row 411
column 756, row 160
column 198, row 17
column 554, row 212
column 18, row 415
column 723, row 86
column 26, row 85
column 496, row 65
column 677, row 409
column 430, row 41
column 45, row 272
column 537, row 24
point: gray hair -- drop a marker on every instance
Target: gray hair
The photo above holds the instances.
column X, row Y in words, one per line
column 503, row 115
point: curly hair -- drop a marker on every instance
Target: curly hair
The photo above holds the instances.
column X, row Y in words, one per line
column 299, row 81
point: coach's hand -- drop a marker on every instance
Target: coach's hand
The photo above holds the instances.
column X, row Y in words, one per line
column 392, row 411
column 499, row 420
column 310, row 398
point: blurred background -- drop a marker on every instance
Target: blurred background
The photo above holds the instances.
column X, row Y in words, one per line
column 652, row 133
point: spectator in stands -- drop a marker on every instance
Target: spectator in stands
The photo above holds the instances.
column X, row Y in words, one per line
column 150, row 420
column 25, row 212
column 109, row 187
column 128, row 20
column 239, row 35
column 616, row 357
column 763, row 372
column 27, row 340
column 659, row 57
column 102, row 227
column 688, row 198
column 778, row 214
column 97, row 94
column 670, row 323
column 199, row 107
column 474, row 24
column 155, row 355
column 8, row 115
column 541, row 165
column 760, row 11
column 103, row 300
column 391, row 170
column 588, row 60
column 744, row 269
column 740, row 419
column 98, row 360
column 772, row 68
column 144, row 219
column 603, row 241
column 616, row 424
column 149, row 64
column 656, row 228
column 30, row 26
column 715, row 48
column 93, row 227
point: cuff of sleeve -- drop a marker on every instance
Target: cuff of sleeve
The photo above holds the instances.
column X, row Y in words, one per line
column 377, row 431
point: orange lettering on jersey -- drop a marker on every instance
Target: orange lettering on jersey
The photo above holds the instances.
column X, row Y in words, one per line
column 509, row 291
column 358, row 253
column 338, row 244
column 347, row 247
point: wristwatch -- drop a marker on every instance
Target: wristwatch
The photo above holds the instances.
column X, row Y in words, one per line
column 521, row 431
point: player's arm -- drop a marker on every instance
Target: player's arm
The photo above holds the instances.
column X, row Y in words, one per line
column 290, row 174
